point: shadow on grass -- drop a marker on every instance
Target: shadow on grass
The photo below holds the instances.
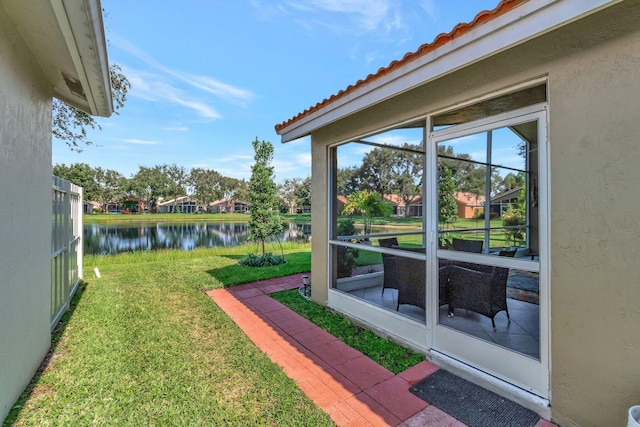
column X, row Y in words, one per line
column 230, row 275
column 56, row 336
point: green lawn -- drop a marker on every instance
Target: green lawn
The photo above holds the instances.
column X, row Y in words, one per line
column 181, row 217
column 386, row 353
column 167, row 217
column 144, row 345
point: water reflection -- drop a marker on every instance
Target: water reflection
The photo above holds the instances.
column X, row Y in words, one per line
column 101, row 239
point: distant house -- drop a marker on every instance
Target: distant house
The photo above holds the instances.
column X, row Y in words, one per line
column 340, row 203
column 400, row 209
column 184, row 204
column 129, row 204
column 47, row 49
column 469, row 205
column 229, row 206
column 500, row 202
column 89, row 207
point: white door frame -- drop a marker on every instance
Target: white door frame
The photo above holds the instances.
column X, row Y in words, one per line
column 522, row 371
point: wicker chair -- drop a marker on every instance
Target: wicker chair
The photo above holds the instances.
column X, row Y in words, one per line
column 464, row 245
column 444, row 274
column 479, row 291
column 475, row 287
column 411, row 280
column 480, row 288
column 389, row 264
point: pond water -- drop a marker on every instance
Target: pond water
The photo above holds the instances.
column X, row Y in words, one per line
column 102, row 239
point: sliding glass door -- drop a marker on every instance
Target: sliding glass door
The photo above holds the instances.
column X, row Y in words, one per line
column 489, row 269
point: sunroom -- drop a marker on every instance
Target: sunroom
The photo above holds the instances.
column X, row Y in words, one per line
column 528, row 113
column 454, row 286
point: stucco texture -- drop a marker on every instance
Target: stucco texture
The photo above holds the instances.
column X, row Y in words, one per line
column 592, row 68
column 25, row 217
column 595, row 293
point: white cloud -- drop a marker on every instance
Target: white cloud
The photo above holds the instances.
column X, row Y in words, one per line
column 429, row 6
column 176, row 128
column 140, row 141
column 215, row 87
column 151, row 87
column 338, row 16
column 236, row 157
column 207, row 84
column 304, row 159
column 368, row 14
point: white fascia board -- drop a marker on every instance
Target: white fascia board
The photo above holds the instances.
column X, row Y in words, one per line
column 88, row 51
column 525, row 22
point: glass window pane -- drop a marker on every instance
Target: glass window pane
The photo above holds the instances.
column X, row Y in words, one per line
column 378, row 203
column 488, row 204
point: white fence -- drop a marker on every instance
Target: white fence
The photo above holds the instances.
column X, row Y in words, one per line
column 66, row 246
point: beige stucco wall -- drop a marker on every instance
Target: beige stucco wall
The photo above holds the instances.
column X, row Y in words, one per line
column 25, row 216
column 319, row 221
column 595, row 153
column 593, row 70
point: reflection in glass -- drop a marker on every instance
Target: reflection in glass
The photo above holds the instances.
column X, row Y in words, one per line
column 517, row 327
column 487, row 188
column 393, row 282
column 487, row 205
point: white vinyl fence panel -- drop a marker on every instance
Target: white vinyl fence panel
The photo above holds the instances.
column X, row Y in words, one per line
column 66, row 246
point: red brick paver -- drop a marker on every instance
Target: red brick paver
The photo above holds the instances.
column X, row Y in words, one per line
column 347, row 385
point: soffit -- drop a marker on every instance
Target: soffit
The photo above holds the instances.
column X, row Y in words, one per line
column 66, row 37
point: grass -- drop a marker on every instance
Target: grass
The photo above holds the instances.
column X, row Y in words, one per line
column 386, row 353
column 162, row 217
column 181, row 217
column 144, row 345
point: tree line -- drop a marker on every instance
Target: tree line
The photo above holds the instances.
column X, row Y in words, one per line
column 167, row 182
column 399, row 172
column 384, row 171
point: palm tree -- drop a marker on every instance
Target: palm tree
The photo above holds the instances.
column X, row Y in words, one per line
column 368, row 205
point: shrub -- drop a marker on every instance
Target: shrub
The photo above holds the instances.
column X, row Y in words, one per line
column 346, row 258
column 266, row 260
column 516, row 216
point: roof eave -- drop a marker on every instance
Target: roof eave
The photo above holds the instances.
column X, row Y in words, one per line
column 89, row 54
column 525, row 22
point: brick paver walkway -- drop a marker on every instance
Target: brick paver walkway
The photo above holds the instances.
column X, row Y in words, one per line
column 347, row 385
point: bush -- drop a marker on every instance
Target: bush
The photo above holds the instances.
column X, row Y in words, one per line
column 346, row 258
column 266, row 260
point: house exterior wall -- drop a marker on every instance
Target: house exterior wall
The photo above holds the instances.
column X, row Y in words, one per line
column 25, row 218
column 593, row 71
column 595, row 235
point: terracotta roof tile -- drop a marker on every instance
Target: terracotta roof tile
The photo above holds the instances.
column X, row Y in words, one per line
column 462, row 28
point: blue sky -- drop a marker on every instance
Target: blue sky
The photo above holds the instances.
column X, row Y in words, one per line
column 209, row 76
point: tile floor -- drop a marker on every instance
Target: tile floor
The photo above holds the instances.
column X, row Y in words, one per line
column 347, row 385
column 522, row 334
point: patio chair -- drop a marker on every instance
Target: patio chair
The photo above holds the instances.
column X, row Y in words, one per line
column 389, row 264
column 465, row 245
column 446, row 277
column 411, row 274
column 483, row 291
